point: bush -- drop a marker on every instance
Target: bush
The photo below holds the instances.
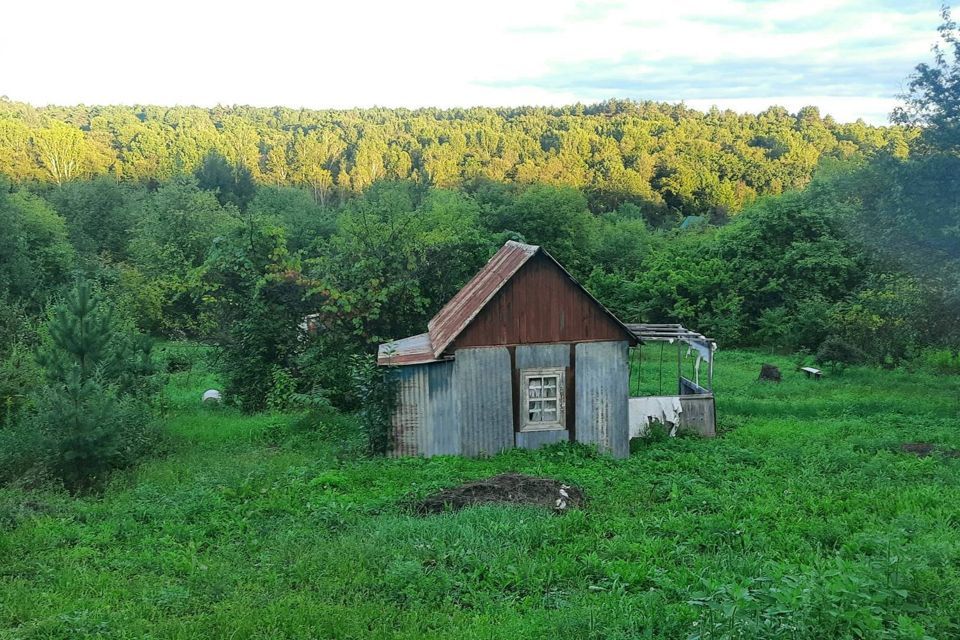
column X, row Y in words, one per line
column 837, row 353
column 889, row 319
column 18, row 374
column 376, row 389
column 943, row 361
column 22, row 452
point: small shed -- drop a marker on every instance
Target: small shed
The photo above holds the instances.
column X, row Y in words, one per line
column 524, row 356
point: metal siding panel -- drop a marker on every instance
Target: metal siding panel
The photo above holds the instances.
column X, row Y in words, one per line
column 484, row 397
column 537, row 439
column 410, row 411
column 602, row 396
column 699, row 415
column 424, row 420
column 543, row 356
column 443, row 431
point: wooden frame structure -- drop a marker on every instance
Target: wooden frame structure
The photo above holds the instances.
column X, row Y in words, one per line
column 693, row 405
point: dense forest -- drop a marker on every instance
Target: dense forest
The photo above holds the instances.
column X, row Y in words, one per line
column 661, row 157
column 229, row 225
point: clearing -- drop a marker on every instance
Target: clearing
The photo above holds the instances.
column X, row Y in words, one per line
column 806, row 518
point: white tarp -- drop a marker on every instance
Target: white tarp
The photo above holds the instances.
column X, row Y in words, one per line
column 665, row 409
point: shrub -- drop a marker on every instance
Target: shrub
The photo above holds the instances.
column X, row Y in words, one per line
column 837, row 353
column 375, row 387
column 22, row 451
column 942, row 360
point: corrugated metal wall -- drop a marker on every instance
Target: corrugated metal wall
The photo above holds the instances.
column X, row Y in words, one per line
column 413, row 391
column 602, row 395
column 484, row 398
column 466, row 406
column 425, row 421
column 543, row 356
column 537, row 439
column 699, row 415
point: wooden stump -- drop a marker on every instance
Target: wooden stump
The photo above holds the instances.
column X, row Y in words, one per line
column 769, row 372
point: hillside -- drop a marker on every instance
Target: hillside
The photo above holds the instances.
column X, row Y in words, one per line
column 805, row 519
column 654, row 155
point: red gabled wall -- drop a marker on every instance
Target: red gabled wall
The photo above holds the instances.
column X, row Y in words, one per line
column 540, row 304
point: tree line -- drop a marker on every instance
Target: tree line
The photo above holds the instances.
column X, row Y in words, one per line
column 665, row 158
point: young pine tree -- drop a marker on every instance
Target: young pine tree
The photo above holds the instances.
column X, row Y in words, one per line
column 88, row 428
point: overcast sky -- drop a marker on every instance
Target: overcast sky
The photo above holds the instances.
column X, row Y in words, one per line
column 849, row 57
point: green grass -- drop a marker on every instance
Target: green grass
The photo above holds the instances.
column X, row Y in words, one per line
column 803, row 520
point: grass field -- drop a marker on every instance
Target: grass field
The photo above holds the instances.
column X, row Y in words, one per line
column 803, row 520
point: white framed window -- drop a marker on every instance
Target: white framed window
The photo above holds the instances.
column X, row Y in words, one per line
column 542, row 393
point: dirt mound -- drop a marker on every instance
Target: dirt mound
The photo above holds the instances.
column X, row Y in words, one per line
column 921, row 449
column 507, row 488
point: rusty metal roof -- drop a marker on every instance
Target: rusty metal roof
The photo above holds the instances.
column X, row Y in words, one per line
column 413, row 350
column 463, row 307
column 470, row 300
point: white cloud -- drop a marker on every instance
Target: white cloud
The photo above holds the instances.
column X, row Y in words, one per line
column 336, row 54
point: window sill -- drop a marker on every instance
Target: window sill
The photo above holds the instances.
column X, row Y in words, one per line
column 550, row 426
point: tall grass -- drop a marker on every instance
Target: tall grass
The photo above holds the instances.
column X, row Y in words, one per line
column 803, row 520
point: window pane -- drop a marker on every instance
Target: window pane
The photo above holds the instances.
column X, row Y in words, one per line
column 535, row 386
column 549, row 415
column 535, row 415
column 550, row 387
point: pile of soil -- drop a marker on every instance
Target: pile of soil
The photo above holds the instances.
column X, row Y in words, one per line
column 922, row 449
column 506, row 488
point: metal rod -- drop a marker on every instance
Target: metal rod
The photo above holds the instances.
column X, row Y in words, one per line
column 679, row 370
column 661, row 368
column 710, row 375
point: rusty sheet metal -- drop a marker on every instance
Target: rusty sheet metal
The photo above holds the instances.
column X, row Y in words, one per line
column 537, row 439
column 413, row 350
column 424, row 420
column 484, row 396
column 467, row 303
column 602, row 413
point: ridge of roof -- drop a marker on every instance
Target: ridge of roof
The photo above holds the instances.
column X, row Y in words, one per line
column 467, row 303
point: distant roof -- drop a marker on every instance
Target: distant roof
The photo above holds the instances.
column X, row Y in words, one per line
column 691, row 221
column 463, row 307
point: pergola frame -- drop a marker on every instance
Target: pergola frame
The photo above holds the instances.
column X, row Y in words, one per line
column 677, row 333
